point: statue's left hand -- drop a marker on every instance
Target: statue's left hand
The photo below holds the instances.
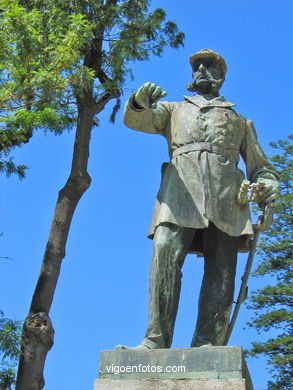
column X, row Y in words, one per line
column 265, row 191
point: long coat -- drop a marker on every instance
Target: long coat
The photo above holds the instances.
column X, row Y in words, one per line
column 200, row 184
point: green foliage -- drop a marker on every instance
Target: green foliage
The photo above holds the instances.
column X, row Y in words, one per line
column 55, row 54
column 9, row 167
column 272, row 304
column 10, row 333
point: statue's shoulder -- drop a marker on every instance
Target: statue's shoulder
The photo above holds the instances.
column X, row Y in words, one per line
column 177, row 105
column 170, row 106
column 240, row 116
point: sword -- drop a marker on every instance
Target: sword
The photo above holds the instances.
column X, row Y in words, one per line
column 264, row 222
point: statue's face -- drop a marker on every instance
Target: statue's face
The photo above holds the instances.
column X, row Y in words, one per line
column 206, row 73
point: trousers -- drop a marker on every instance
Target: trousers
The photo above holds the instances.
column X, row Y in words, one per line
column 171, row 245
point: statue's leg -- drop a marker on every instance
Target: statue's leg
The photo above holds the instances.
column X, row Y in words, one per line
column 171, row 244
column 217, row 291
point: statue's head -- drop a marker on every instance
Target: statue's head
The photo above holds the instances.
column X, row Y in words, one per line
column 208, row 72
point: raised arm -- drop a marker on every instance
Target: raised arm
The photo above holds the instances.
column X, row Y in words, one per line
column 143, row 113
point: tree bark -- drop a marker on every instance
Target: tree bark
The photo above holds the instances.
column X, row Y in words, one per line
column 38, row 332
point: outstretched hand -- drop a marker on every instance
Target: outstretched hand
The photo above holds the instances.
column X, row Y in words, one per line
column 148, row 94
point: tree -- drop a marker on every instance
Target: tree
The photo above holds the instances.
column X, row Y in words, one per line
column 273, row 302
column 10, row 331
column 62, row 62
column 56, row 51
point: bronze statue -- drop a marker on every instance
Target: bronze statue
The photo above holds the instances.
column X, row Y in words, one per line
column 197, row 208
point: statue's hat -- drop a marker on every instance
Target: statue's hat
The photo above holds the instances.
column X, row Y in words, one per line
column 207, row 53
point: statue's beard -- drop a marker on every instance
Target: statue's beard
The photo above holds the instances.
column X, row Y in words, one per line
column 212, row 87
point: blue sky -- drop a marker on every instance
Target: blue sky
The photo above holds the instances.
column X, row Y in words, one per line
column 101, row 297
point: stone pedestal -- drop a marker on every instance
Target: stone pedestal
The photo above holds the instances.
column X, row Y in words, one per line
column 205, row 368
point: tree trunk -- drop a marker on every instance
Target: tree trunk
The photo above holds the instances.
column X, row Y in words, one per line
column 38, row 333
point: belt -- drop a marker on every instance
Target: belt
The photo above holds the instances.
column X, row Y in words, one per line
column 198, row 146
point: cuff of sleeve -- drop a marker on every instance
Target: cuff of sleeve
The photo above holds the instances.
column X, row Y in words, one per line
column 264, row 174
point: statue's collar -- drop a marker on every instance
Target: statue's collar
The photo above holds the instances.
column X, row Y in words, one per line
column 201, row 102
